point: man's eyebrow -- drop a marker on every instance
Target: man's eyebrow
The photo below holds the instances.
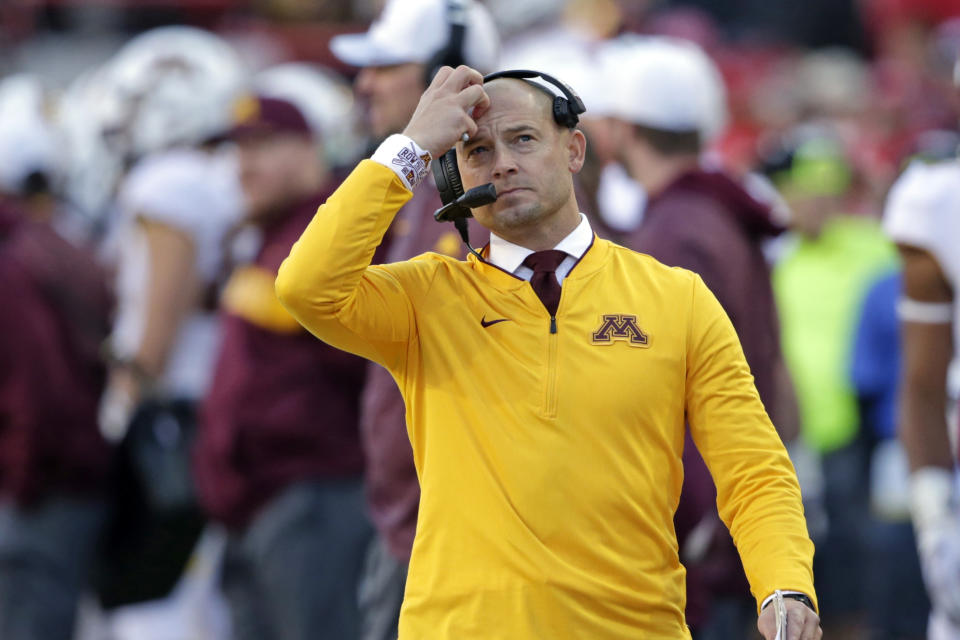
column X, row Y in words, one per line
column 521, row 127
column 474, row 141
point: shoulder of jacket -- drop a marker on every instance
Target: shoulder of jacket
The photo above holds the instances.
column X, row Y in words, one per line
column 650, row 265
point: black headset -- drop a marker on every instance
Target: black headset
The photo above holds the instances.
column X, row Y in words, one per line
column 451, row 54
column 566, row 113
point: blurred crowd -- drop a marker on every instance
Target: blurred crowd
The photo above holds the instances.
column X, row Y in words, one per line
column 179, row 459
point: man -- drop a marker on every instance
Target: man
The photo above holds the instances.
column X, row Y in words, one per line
column 166, row 96
column 897, row 604
column 921, row 216
column 395, row 57
column 279, row 459
column 53, row 460
column 820, row 282
column 546, row 417
column 671, row 105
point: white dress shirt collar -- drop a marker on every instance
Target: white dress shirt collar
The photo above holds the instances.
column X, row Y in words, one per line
column 510, row 257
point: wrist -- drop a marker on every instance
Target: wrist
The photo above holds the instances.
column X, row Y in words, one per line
column 932, row 498
column 405, row 157
column 791, row 595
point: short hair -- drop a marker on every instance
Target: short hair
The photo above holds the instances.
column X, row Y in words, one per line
column 37, row 183
column 670, row 143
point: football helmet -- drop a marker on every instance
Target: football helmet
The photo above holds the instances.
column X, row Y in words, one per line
column 171, row 86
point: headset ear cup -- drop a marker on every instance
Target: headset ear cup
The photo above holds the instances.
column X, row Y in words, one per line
column 446, row 174
column 562, row 114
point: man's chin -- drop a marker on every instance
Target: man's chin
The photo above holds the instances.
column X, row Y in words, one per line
column 515, row 216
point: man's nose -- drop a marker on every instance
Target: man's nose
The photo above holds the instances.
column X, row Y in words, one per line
column 504, row 163
column 364, row 81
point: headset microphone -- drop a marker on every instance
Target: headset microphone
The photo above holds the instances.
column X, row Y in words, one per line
column 459, row 210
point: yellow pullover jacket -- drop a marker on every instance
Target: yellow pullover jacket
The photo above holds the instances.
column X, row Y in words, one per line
column 549, row 453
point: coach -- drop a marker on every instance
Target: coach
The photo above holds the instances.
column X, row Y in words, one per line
column 546, row 389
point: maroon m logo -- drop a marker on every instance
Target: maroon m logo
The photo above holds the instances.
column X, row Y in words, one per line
column 620, row 327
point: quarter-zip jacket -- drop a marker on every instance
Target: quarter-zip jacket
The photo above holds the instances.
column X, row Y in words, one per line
column 550, row 460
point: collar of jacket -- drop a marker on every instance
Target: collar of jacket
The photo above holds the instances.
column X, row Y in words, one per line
column 590, row 262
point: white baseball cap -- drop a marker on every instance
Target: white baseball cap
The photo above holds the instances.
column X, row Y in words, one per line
column 28, row 143
column 414, row 30
column 666, row 83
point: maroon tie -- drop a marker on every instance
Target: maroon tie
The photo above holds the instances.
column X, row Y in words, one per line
column 544, row 279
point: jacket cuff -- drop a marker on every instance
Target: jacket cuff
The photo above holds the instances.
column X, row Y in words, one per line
column 404, row 157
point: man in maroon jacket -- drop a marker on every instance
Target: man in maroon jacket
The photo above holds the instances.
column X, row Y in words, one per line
column 705, row 221
column 53, row 460
column 278, row 459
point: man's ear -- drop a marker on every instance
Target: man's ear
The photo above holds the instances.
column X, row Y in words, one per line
column 577, row 150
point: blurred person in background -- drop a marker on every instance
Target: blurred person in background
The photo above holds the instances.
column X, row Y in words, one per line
column 170, row 96
column 620, row 198
column 576, row 45
column 671, row 104
column 279, row 460
column 896, row 602
column 921, row 216
column 93, row 166
column 53, row 460
column 398, row 56
column 820, row 281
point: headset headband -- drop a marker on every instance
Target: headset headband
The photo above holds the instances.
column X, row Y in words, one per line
column 566, row 109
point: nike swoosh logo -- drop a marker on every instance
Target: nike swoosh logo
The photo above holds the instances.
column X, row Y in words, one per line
column 485, row 324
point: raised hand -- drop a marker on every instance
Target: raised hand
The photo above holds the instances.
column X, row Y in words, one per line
column 448, row 109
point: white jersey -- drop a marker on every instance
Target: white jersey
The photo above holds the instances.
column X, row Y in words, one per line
column 923, row 211
column 197, row 193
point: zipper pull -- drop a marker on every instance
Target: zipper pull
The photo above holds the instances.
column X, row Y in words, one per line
column 553, row 324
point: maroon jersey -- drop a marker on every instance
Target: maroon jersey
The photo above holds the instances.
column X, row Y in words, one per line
column 283, row 406
column 54, row 317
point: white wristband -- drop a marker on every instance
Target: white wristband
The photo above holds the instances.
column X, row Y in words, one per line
column 909, row 310
column 931, row 496
column 405, row 157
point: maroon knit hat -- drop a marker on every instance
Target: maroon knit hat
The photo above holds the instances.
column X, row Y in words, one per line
column 258, row 115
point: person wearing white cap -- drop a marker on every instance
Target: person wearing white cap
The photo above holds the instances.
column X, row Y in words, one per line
column 402, row 49
column 407, row 44
column 672, row 104
column 28, row 144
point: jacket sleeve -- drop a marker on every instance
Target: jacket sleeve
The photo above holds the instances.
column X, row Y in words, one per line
column 758, row 496
column 327, row 282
